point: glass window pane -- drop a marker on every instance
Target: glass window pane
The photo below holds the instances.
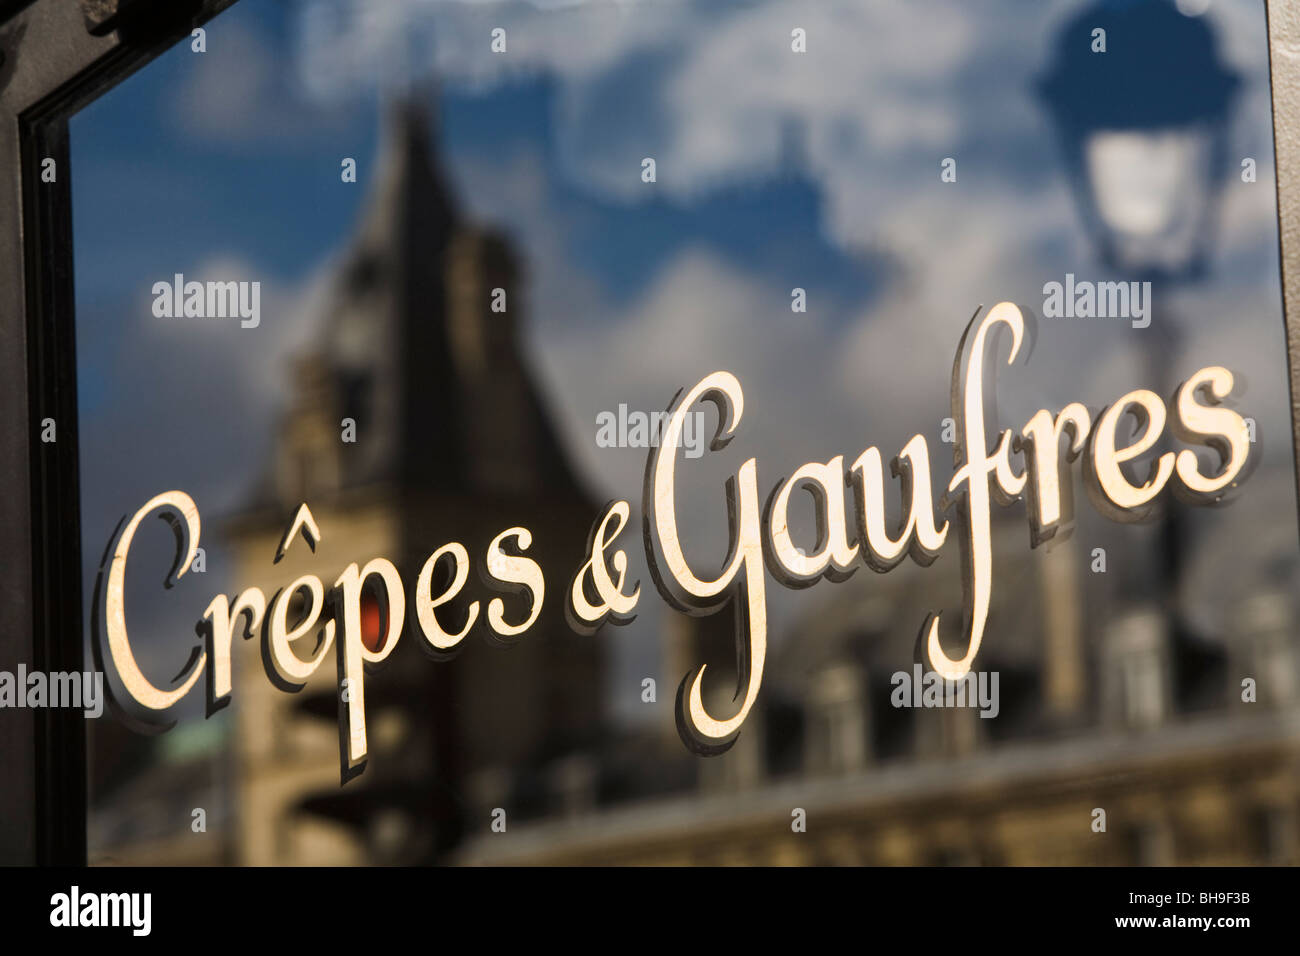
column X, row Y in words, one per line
column 435, row 269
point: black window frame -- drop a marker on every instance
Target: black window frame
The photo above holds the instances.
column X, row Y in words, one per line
column 58, row 56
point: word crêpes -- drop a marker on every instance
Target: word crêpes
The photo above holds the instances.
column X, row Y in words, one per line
column 854, row 530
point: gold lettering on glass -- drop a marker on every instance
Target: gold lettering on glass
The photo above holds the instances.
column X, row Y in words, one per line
column 759, row 542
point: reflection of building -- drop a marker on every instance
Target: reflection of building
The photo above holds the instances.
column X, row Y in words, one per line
column 160, row 801
column 1105, row 700
column 451, row 439
column 1098, row 709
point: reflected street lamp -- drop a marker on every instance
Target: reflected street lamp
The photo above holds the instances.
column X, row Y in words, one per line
column 1140, row 100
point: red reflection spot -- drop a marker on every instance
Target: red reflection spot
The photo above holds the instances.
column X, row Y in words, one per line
column 372, row 622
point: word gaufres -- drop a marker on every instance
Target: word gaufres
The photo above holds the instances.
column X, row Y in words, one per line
column 1027, row 462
